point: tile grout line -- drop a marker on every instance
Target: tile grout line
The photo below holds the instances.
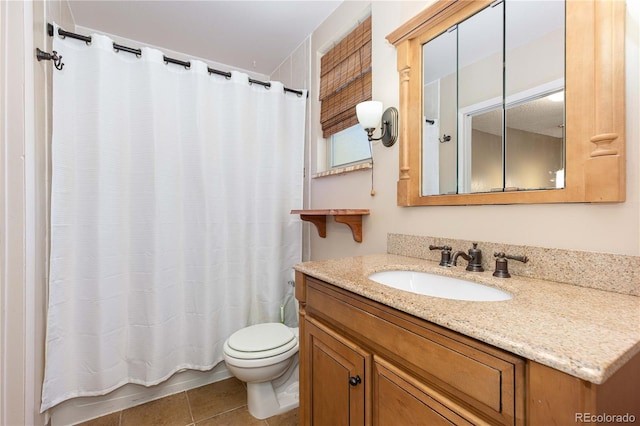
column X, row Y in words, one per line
column 224, row 412
column 186, row 394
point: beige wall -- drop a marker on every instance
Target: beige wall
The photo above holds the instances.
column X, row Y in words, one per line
column 613, row 228
column 486, row 161
column 531, row 159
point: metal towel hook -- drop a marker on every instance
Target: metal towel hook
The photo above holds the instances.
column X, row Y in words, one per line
column 45, row 56
column 444, row 138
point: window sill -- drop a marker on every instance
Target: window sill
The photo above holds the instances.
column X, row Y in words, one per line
column 343, row 170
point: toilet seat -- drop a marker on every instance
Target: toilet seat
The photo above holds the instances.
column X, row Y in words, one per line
column 260, row 341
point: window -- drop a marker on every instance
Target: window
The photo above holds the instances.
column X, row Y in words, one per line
column 345, row 81
column 349, row 146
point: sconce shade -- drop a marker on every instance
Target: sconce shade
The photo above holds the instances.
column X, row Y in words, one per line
column 369, row 114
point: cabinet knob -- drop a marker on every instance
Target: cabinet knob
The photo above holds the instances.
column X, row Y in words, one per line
column 355, row 381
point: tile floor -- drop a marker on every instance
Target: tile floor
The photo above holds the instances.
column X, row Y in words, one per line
column 220, row 403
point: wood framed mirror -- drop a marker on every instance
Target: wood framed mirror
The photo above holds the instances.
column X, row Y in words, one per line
column 593, row 147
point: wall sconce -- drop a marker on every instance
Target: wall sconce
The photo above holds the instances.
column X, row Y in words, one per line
column 370, row 116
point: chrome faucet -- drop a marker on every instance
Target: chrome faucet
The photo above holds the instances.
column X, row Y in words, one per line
column 474, row 258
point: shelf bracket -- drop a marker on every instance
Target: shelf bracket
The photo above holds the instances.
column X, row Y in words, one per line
column 353, row 222
column 320, row 221
column 350, row 217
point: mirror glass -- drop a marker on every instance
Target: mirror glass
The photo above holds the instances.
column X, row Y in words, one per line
column 493, row 105
column 440, row 112
column 480, row 87
column 534, row 94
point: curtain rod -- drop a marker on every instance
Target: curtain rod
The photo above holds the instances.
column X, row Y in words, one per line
column 138, row 53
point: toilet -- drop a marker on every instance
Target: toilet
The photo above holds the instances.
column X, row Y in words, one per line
column 265, row 356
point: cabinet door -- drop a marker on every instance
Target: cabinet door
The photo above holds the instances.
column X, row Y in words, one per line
column 337, row 378
column 399, row 399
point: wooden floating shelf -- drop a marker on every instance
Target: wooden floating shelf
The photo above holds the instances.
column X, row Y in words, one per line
column 350, row 217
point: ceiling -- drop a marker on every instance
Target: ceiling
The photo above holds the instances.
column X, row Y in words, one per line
column 255, row 36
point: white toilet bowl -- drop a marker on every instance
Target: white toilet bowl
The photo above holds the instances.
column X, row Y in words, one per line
column 265, row 356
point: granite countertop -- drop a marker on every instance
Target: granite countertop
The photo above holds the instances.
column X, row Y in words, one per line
column 587, row 333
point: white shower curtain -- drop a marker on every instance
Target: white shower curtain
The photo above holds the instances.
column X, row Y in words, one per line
column 170, row 215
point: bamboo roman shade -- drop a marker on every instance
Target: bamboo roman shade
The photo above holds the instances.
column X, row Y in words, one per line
column 345, row 79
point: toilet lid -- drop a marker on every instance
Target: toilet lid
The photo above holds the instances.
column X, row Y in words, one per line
column 261, row 337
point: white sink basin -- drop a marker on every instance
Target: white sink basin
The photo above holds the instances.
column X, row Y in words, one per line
column 439, row 286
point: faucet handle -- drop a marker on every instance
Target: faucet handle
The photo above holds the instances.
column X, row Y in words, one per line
column 523, row 259
column 502, row 270
column 445, row 256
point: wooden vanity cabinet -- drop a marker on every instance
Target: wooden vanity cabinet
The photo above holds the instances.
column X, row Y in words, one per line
column 336, row 369
column 413, row 372
column 400, row 399
column 362, row 362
